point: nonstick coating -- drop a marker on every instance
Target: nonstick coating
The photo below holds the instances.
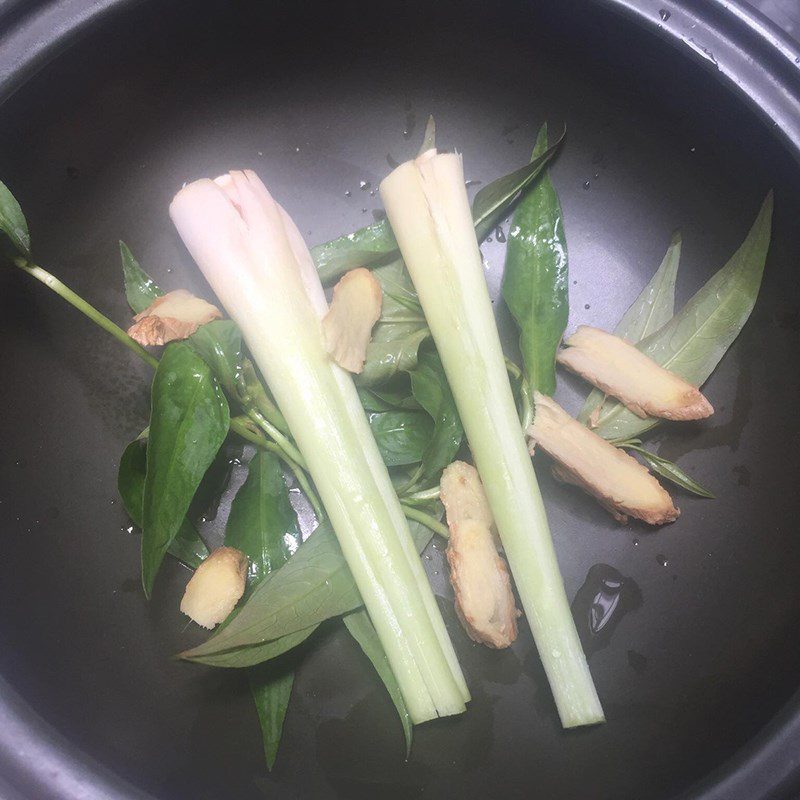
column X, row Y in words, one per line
column 317, row 98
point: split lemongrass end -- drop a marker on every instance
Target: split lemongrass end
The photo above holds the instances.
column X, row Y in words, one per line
column 622, row 371
column 216, row 587
column 173, row 316
column 618, row 481
column 355, row 308
column 483, row 597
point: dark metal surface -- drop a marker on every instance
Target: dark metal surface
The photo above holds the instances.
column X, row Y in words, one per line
column 315, row 99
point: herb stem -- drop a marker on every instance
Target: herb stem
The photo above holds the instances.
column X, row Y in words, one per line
column 422, row 496
column 75, row 300
column 279, row 438
column 425, row 519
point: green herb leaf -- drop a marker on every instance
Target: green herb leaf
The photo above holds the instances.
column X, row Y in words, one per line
column 651, row 310
column 387, row 398
column 366, row 247
column 672, row 472
column 362, row 630
column 140, row 289
column 187, row 546
column 692, row 343
column 13, row 223
column 399, row 332
column 219, row 344
column 536, row 277
column 494, row 200
column 314, row 585
column 189, row 421
column 262, row 523
column 402, row 436
column 271, row 689
column 429, row 139
column 432, row 392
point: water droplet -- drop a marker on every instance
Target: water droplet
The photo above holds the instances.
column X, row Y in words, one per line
column 169, row 269
column 363, row 185
column 348, row 193
column 587, row 306
column 363, row 210
column 297, row 149
column 129, row 529
column 605, row 597
column 635, row 542
column 472, row 183
column 596, row 175
column 662, row 559
column 260, row 153
column 113, row 502
column 488, row 239
column 20, row 462
column 692, row 149
column 664, row 14
column 499, row 234
column 586, row 185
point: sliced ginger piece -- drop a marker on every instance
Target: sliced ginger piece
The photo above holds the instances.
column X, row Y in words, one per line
column 355, row 308
column 216, row 587
column 619, row 482
column 622, row 371
column 484, row 600
column 173, row 316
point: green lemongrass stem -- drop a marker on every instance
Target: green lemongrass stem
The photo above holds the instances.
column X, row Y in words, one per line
column 274, row 434
column 431, row 523
column 75, row 300
column 429, row 212
column 257, row 263
column 259, row 399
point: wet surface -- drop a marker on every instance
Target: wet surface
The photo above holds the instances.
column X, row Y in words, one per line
column 95, row 147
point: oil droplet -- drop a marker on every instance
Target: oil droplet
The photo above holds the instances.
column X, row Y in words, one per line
column 260, row 153
column 364, row 185
column 348, row 193
column 472, row 183
column 662, row 559
column 499, row 234
column 604, row 599
column 587, row 306
column 363, row 210
column 488, row 238
column 297, row 149
column 635, row 542
column 692, row 149
column 664, row 14
column 586, row 185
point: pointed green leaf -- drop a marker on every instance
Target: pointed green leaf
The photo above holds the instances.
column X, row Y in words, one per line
column 651, row 310
column 13, row 223
column 536, row 277
column 271, row 688
column 140, row 289
column 694, row 341
column 362, row 630
column 670, row 471
column 219, row 344
column 189, row 421
column 187, row 546
column 402, row 436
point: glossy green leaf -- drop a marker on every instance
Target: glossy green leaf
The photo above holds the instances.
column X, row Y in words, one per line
column 670, row 471
column 140, row 289
column 399, row 332
column 362, row 630
column 219, row 344
column 366, row 247
column 314, row 585
column 262, row 523
column 189, row 421
column 432, row 392
column 387, row 399
column 536, row 277
column 494, row 200
column 693, row 342
column 271, row 688
column 187, row 546
column 402, row 436
column 651, row 310
column 13, row 223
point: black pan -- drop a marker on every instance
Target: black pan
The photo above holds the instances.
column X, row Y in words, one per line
column 678, row 115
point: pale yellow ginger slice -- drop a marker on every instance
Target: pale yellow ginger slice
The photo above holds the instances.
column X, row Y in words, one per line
column 175, row 315
column 355, row 308
column 619, row 482
column 622, row 371
column 216, row 587
column 484, row 600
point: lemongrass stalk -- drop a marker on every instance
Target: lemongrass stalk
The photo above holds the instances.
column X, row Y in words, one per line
column 427, row 206
column 257, row 263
